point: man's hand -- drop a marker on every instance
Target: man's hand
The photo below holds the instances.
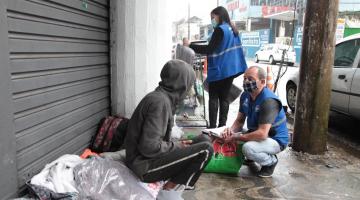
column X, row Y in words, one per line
column 186, row 143
column 227, row 134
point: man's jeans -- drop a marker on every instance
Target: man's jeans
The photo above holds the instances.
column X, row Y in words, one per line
column 263, row 152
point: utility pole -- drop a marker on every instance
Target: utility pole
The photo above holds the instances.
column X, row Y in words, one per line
column 313, row 94
column 189, row 21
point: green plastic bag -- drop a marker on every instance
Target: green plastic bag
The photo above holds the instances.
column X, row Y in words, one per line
column 227, row 158
column 199, row 88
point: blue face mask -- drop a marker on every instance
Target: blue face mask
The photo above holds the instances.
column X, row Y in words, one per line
column 214, row 23
column 250, row 86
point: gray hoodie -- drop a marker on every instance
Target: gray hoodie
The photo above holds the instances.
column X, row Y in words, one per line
column 149, row 129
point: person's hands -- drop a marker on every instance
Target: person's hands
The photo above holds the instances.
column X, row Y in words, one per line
column 227, row 134
column 186, row 143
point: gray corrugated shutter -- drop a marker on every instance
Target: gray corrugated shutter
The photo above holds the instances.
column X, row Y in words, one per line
column 59, row 58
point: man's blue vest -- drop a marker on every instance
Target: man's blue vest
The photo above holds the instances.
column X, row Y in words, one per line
column 251, row 109
column 228, row 59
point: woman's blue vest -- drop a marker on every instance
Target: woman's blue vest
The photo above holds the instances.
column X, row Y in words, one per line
column 251, row 110
column 228, row 59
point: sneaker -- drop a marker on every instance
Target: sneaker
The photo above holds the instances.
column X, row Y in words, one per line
column 248, row 162
column 179, row 188
column 255, row 168
column 267, row 171
column 190, row 187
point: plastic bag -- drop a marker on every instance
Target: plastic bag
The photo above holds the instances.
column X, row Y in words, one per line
column 234, row 92
column 58, row 175
column 199, row 88
column 99, row 178
column 227, row 158
column 43, row 193
column 176, row 132
column 152, row 188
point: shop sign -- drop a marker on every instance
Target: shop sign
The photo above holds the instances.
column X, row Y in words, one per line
column 340, row 29
column 270, row 10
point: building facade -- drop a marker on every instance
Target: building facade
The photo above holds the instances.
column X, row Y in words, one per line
column 189, row 28
column 284, row 20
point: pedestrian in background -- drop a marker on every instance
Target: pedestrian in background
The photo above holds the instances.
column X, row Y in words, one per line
column 184, row 53
column 225, row 62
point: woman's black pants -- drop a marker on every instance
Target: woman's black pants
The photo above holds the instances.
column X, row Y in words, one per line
column 218, row 94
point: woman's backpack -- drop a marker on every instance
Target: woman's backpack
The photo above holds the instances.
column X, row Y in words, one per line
column 110, row 134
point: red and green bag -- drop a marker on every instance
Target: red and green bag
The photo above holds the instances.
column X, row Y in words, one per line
column 227, row 158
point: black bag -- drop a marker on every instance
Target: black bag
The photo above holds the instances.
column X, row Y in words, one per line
column 234, row 92
column 110, row 134
column 43, row 193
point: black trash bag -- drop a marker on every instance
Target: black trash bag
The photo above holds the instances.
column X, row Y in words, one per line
column 43, row 193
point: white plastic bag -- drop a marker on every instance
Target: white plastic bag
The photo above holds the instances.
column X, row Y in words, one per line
column 58, row 176
column 176, row 132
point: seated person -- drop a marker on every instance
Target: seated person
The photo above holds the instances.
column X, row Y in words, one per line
column 266, row 121
column 150, row 153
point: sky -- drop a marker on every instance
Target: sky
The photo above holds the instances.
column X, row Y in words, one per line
column 199, row 8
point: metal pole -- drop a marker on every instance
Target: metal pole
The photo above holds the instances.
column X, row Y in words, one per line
column 189, row 21
column 313, row 94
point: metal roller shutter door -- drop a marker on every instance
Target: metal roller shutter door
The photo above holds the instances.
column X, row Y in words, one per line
column 59, row 60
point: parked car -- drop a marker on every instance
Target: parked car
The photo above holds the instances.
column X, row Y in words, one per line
column 273, row 54
column 345, row 85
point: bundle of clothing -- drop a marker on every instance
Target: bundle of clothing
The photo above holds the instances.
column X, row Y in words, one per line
column 97, row 177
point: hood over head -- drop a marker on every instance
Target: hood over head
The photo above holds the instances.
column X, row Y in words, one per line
column 177, row 77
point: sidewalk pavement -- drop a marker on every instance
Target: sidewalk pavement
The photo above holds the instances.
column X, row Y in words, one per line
column 334, row 175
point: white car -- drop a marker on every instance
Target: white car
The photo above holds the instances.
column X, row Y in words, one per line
column 345, row 85
column 273, row 54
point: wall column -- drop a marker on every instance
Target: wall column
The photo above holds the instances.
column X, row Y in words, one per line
column 140, row 45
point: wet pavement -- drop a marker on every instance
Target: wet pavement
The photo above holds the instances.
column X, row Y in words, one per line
column 343, row 132
column 334, row 175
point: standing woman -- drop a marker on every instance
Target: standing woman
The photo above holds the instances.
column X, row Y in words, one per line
column 225, row 62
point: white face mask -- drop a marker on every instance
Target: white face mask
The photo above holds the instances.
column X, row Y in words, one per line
column 214, row 23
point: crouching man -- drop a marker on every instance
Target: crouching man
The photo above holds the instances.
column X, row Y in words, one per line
column 267, row 133
column 150, row 153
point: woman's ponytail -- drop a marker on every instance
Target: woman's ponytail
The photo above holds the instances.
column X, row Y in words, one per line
column 234, row 29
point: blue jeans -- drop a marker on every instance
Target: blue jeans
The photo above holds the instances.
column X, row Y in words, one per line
column 263, row 152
